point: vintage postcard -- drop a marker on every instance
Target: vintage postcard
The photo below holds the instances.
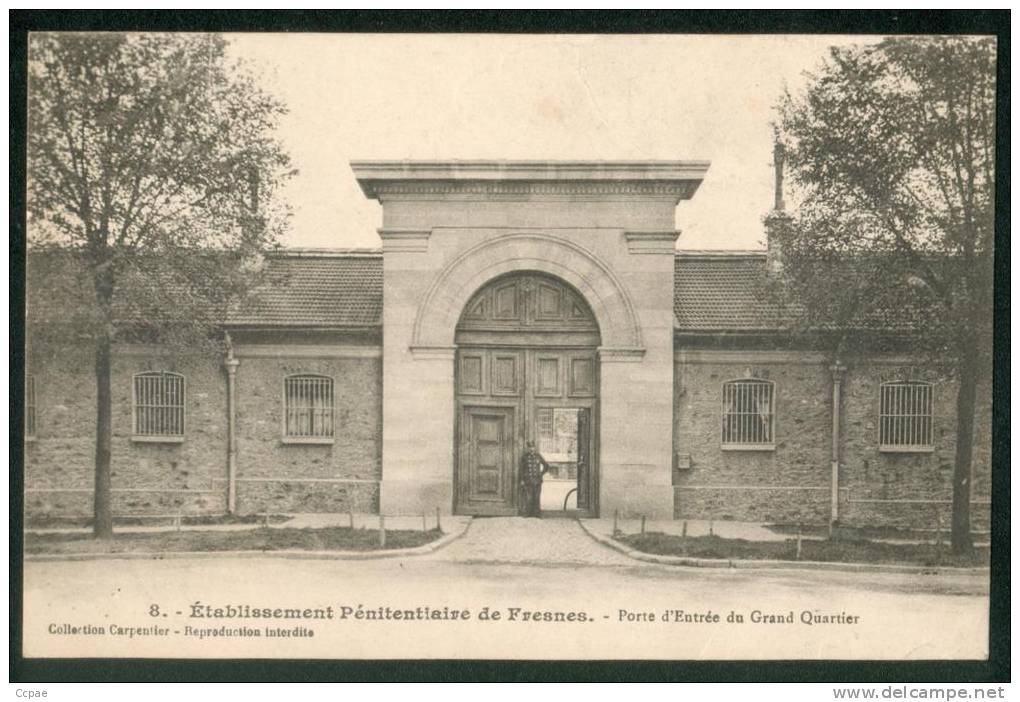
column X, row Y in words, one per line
column 434, row 346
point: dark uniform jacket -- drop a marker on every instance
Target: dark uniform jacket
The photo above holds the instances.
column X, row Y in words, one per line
column 533, row 466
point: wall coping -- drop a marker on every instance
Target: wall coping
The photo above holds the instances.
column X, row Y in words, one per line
column 679, row 178
column 709, row 355
column 284, row 351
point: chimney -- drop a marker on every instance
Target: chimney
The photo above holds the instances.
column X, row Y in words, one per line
column 778, row 161
column 778, row 221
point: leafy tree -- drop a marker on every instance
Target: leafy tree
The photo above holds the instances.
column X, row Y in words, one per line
column 152, row 170
column 892, row 155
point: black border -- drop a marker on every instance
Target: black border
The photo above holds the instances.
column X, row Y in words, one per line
column 992, row 22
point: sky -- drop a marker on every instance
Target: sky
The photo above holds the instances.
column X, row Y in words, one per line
column 587, row 97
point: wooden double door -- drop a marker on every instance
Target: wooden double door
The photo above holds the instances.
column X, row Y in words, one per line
column 507, row 396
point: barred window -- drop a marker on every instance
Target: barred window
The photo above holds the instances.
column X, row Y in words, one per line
column 905, row 416
column 308, row 408
column 747, row 414
column 30, row 406
column 159, row 406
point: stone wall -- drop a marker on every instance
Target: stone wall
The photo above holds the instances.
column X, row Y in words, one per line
column 786, row 484
column 791, row 484
column 190, row 477
column 908, row 489
column 277, row 476
column 148, row 478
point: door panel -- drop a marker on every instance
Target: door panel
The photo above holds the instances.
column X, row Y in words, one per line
column 582, row 376
column 547, row 375
column 507, row 372
column 506, row 307
column 486, row 473
column 472, row 373
column 548, row 302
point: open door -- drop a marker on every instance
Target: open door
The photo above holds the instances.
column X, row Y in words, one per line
column 564, row 439
column 584, row 487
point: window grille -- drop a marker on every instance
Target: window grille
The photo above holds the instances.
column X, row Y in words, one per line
column 30, row 406
column 747, row 414
column 905, row 416
column 159, row 404
column 308, row 407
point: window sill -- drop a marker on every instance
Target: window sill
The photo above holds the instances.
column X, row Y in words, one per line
column 308, row 440
column 906, row 449
column 748, row 447
column 147, row 439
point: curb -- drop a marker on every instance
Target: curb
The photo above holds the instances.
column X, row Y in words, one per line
column 748, row 564
column 290, row 554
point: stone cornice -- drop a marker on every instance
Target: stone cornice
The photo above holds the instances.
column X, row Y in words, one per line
column 532, row 179
column 617, row 354
column 786, row 356
column 425, row 352
column 405, row 240
column 482, row 190
column 652, row 242
column 748, row 356
column 284, row 351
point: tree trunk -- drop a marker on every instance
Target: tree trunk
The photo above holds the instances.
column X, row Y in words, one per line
column 966, row 395
column 102, row 524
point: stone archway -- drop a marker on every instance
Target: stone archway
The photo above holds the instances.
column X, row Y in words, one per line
column 526, row 370
column 604, row 228
column 419, row 367
column 437, row 316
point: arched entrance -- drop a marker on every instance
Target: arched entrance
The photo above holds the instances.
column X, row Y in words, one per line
column 526, row 369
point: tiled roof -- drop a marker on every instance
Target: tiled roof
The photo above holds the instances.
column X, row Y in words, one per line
column 729, row 291
column 722, row 291
column 714, row 292
column 317, row 288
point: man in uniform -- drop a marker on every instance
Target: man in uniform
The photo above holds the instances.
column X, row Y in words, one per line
column 533, row 467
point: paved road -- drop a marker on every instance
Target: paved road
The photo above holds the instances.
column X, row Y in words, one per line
column 530, row 541
column 601, row 605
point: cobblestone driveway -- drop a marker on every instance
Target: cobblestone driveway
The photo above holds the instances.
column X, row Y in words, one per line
column 534, row 541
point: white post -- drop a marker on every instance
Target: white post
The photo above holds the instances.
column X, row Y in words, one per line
column 838, row 371
column 231, row 364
